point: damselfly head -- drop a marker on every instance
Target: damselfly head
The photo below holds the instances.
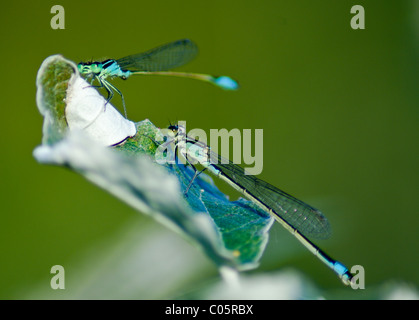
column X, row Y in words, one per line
column 177, row 130
column 90, row 67
column 174, row 128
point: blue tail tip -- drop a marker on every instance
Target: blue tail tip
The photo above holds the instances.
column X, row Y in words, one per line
column 226, row 83
column 339, row 268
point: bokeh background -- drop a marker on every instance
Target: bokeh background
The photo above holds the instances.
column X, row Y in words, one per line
column 339, row 110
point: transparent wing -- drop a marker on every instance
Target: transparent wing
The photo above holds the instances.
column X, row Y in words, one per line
column 165, row 57
column 303, row 217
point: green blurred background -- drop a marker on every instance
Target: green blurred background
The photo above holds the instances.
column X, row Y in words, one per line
column 339, row 110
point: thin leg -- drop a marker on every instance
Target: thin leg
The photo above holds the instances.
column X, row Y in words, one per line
column 103, row 84
column 109, row 87
column 98, row 80
column 110, row 90
column 92, row 78
column 196, row 174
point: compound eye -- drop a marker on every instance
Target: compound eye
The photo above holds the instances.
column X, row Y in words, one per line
column 173, row 128
column 96, row 67
column 83, row 69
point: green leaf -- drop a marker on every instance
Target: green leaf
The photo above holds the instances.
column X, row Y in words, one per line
column 52, row 83
column 232, row 234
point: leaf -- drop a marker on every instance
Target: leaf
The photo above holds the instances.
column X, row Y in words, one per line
column 232, row 234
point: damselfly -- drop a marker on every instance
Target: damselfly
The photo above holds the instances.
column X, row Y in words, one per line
column 153, row 62
column 299, row 218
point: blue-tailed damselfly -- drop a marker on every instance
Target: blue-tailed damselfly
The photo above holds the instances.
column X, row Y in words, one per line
column 299, row 218
column 153, row 62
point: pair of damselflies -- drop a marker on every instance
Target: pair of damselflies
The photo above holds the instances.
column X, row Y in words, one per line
column 299, row 218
